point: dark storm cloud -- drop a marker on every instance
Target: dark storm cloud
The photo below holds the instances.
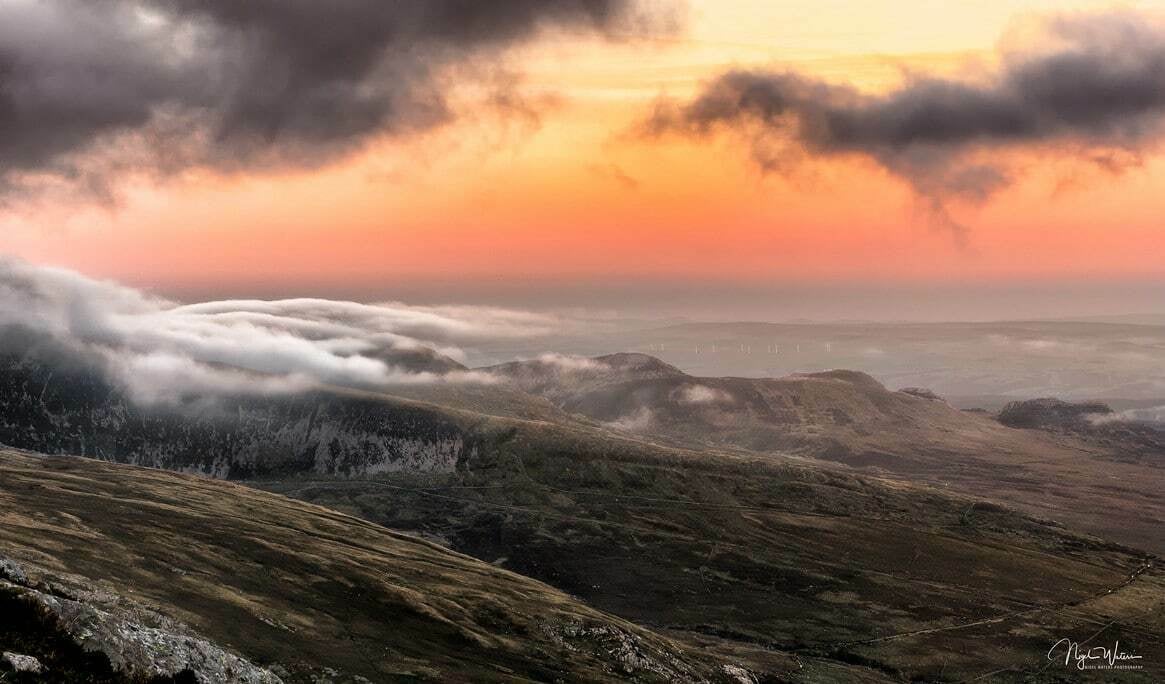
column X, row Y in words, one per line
column 1097, row 88
column 175, row 83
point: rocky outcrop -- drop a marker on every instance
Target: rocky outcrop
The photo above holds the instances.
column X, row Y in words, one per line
column 138, row 642
column 1119, row 436
column 921, row 393
column 633, row 656
column 15, row 662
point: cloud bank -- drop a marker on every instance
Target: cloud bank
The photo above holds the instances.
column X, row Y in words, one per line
column 1095, row 89
column 161, row 351
column 1151, row 415
column 91, row 87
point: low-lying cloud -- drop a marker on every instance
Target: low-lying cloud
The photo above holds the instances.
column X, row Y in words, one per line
column 163, row 351
column 1150, row 415
column 639, row 420
column 702, row 394
column 1095, row 90
column 89, row 88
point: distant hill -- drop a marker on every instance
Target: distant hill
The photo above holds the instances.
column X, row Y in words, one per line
column 1123, row 435
column 1108, row 486
column 1125, row 319
column 560, row 378
column 415, row 360
column 1072, row 360
column 642, row 394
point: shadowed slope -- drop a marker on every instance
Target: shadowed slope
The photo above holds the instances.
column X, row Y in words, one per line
column 784, row 563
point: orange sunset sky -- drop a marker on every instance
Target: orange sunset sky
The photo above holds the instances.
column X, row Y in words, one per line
column 563, row 189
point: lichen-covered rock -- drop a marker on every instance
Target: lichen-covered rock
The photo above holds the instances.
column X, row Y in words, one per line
column 632, row 655
column 149, row 651
column 10, row 570
column 16, row 662
column 136, row 640
column 739, row 674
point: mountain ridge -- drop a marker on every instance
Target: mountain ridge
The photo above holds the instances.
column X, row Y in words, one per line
column 764, row 557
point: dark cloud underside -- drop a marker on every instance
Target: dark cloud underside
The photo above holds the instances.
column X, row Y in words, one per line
column 238, row 82
column 1099, row 85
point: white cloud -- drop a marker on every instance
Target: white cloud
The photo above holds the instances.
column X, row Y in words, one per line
column 161, row 350
column 702, row 394
column 639, row 421
column 1150, row 414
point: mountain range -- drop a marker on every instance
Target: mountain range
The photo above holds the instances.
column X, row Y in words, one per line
column 817, row 527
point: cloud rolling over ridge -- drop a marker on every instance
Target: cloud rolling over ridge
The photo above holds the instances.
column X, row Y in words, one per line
column 162, row 351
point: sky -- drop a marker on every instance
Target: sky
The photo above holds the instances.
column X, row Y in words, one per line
column 892, row 159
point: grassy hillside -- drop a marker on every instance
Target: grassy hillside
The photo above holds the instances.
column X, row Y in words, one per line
column 789, row 565
column 301, row 588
